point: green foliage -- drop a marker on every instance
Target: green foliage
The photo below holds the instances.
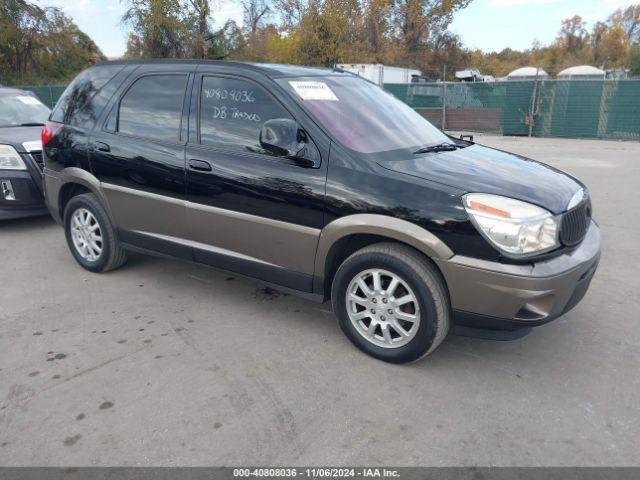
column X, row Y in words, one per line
column 311, row 32
column 41, row 45
column 633, row 63
column 410, row 33
column 161, row 28
column 226, row 42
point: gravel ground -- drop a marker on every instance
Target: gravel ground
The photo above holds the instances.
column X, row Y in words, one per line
column 166, row 363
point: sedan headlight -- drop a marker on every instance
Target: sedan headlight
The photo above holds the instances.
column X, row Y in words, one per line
column 518, row 229
column 10, row 159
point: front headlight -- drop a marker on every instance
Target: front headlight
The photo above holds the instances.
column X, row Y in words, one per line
column 10, row 159
column 516, row 228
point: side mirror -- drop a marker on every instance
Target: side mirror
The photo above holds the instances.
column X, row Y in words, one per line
column 283, row 137
column 465, row 137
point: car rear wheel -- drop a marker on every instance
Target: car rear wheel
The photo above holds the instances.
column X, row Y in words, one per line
column 391, row 302
column 90, row 235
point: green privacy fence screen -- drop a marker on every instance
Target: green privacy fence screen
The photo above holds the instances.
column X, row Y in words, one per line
column 558, row 108
column 47, row 95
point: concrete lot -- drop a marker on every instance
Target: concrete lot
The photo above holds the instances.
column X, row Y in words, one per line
column 164, row 363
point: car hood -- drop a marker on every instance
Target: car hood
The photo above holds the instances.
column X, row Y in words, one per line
column 481, row 169
column 16, row 136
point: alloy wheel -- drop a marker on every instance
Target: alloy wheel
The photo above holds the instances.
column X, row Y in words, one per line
column 383, row 308
column 86, row 234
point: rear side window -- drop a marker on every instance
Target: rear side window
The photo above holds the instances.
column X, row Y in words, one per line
column 152, row 107
column 232, row 112
column 77, row 106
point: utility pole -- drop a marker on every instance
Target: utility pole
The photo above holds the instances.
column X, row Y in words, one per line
column 444, row 94
column 532, row 107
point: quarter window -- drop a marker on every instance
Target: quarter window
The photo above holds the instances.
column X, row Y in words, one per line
column 232, row 112
column 76, row 105
column 152, row 107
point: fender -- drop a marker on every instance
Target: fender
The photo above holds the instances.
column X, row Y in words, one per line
column 56, row 180
column 394, row 228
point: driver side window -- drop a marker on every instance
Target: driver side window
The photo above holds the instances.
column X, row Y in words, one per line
column 232, row 112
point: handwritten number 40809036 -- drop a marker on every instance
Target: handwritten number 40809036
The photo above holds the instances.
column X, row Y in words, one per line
column 240, row 96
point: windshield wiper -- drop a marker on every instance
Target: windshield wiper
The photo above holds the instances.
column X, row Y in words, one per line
column 440, row 147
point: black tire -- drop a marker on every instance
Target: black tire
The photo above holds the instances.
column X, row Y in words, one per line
column 420, row 275
column 112, row 255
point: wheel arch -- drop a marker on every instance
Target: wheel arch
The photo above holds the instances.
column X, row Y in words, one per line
column 348, row 234
column 76, row 181
column 68, row 191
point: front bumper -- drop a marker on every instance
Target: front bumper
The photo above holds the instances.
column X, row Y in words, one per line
column 498, row 296
column 20, row 196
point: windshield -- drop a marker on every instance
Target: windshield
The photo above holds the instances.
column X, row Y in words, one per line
column 18, row 109
column 361, row 115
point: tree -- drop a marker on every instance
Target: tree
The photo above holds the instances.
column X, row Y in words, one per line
column 162, row 27
column 22, row 26
column 317, row 37
column 201, row 12
column 227, row 42
column 573, row 35
column 447, row 49
column 633, row 62
column 331, row 32
column 419, row 22
column 629, row 20
column 291, row 12
column 41, row 44
column 613, row 48
column 378, row 28
column 135, row 46
column 255, row 12
column 410, row 33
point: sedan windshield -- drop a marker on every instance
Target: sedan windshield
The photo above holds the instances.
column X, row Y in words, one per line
column 361, row 115
column 21, row 109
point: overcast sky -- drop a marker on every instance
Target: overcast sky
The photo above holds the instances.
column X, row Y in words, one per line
column 485, row 24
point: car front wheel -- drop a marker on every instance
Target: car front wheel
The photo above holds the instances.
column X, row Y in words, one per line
column 391, row 302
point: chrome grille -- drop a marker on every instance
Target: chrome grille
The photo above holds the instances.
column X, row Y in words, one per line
column 575, row 224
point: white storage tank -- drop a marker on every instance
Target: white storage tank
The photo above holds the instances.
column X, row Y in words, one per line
column 528, row 73
column 582, row 72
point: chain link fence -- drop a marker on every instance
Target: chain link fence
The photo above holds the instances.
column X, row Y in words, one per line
column 608, row 109
column 548, row 108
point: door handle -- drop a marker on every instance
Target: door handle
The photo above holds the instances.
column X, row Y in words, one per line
column 101, row 147
column 200, row 165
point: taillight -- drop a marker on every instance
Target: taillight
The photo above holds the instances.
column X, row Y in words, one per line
column 49, row 131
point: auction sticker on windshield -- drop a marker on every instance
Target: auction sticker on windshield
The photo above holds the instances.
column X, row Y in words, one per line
column 314, row 91
column 28, row 100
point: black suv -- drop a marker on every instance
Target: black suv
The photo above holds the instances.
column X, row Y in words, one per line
column 21, row 118
column 322, row 184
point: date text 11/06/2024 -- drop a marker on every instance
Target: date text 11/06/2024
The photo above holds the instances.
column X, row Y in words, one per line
column 316, row 472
